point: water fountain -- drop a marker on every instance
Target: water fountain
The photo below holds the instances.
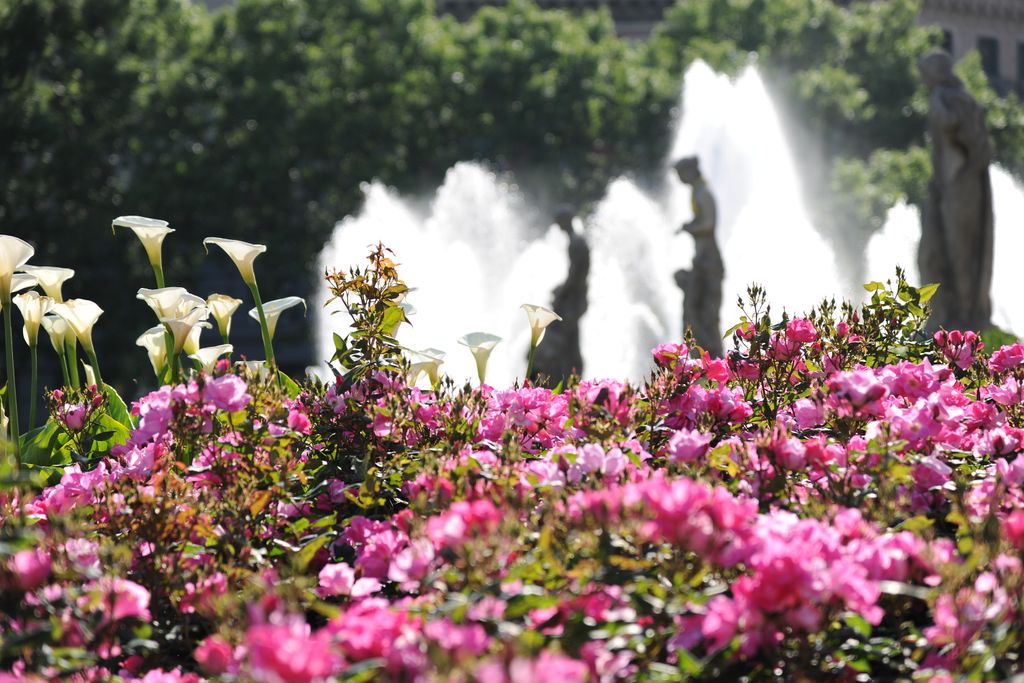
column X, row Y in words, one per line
column 477, row 253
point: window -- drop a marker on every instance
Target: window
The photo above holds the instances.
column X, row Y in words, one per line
column 947, row 41
column 989, row 49
column 1020, row 62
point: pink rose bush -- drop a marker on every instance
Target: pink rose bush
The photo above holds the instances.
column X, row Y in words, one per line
column 840, row 497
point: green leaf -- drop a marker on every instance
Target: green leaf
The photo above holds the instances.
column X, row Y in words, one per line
column 42, row 446
column 305, row 556
column 290, row 387
column 927, row 292
column 858, row 623
column 117, row 409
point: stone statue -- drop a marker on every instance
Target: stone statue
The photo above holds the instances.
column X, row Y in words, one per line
column 956, row 221
column 559, row 354
column 702, row 284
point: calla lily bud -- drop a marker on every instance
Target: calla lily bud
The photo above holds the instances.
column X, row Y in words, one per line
column 274, row 309
column 242, row 254
column 33, row 307
column 427, row 361
column 14, row 253
column 150, row 231
column 223, row 307
column 208, row 357
column 90, row 375
column 539, row 317
column 81, row 316
column 58, row 330
column 480, row 345
column 154, row 340
column 170, row 302
column 51, row 279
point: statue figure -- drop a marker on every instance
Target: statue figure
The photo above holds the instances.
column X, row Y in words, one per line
column 956, row 221
column 702, row 284
column 559, row 355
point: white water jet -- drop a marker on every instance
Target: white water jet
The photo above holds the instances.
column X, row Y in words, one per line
column 902, row 233
column 473, row 260
column 764, row 232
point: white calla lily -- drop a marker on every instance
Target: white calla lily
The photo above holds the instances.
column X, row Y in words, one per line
column 90, row 374
column 33, row 307
column 274, row 309
column 426, row 361
column 208, row 357
column 81, row 316
column 242, row 254
column 14, row 253
column 151, row 232
column 223, row 307
column 181, row 328
column 23, row 281
column 154, row 341
column 539, row 317
column 58, row 330
column 191, row 344
column 480, row 344
column 51, row 279
column 170, row 302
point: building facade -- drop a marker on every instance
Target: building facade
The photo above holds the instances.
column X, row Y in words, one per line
column 995, row 28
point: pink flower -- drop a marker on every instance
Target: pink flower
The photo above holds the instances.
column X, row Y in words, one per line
column 800, row 330
column 298, row 422
column 74, row 416
column 227, row 393
column 214, row 655
column 687, row 445
column 1013, row 526
column 340, row 579
column 289, row 653
column 30, row 567
column 469, row 640
column 119, row 598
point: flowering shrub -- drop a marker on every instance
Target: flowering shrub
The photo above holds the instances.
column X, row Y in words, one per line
column 839, row 497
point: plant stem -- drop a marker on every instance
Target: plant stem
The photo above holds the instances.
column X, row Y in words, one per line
column 12, row 390
column 33, row 399
column 158, row 271
column 64, row 368
column 172, row 357
column 529, row 361
column 72, row 360
column 268, row 346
